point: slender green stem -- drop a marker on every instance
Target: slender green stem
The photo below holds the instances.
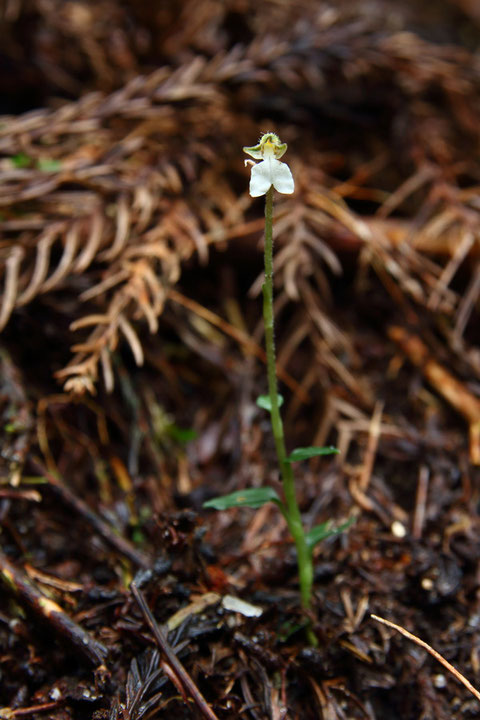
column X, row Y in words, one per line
column 294, row 519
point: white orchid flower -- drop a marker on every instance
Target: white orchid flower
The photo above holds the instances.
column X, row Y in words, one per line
column 270, row 171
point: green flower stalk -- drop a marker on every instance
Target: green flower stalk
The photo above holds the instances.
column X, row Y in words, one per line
column 273, row 173
column 266, row 175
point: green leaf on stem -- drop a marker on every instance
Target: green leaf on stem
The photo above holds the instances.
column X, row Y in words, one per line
column 253, row 498
column 309, row 452
column 324, row 531
column 264, row 402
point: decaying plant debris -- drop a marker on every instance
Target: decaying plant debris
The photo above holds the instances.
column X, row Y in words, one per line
column 130, row 255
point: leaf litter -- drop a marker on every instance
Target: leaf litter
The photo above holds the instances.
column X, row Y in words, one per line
column 130, row 257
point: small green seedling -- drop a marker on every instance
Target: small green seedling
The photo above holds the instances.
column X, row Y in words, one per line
column 266, row 175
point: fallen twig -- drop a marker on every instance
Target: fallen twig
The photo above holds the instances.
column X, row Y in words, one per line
column 18, row 582
column 95, row 521
column 175, row 665
column 461, row 678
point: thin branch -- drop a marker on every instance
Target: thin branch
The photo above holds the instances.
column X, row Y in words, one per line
column 174, row 663
column 15, row 580
column 461, row 678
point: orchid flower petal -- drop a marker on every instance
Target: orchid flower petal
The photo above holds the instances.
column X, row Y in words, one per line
column 256, row 152
column 260, row 179
column 283, row 178
column 280, row 150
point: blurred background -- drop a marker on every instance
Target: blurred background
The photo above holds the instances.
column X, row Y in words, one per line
column 131, row 342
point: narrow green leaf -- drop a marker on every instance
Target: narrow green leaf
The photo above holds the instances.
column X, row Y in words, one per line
column 253, row 497
column 309, row 452
column 264, row 402
column 324, row 531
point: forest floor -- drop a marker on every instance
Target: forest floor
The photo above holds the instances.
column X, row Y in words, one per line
column 132, row 355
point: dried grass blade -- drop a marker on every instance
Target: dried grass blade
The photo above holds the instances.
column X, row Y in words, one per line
column 96, row 225
column 42, row 264
column 12, row 270
column 66, row 261
column 122, row 231
column 458, row 675
column 132, row 339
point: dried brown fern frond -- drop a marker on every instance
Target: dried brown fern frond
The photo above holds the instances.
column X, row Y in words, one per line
column 145, row 271
column 126, row 167
column 106, row 197
column 416, row 259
